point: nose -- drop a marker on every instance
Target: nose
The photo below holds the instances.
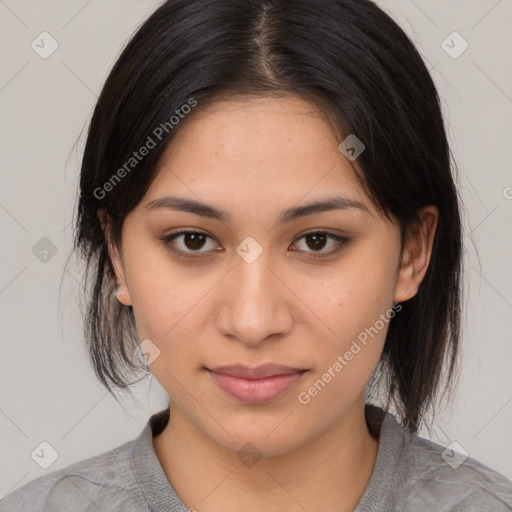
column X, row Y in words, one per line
column 255, row 304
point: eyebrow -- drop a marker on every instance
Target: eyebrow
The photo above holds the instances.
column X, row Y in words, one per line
column 289, row 215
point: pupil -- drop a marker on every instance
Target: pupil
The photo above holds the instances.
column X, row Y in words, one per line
column 320, row 241
column 195, row 241
column 194, row 237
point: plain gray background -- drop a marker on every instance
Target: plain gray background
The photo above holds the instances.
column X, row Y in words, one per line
column 48, row 391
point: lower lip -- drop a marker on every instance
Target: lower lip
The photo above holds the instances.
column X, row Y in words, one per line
column 255, row 391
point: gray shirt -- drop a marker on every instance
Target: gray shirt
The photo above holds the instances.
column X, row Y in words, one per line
column 410, row 474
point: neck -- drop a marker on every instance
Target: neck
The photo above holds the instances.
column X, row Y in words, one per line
column 329, row 473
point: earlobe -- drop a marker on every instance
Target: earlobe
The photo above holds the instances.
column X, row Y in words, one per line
column 122, row 294
column 416, row 253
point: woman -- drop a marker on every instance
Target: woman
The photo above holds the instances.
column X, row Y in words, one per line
column 267, row 207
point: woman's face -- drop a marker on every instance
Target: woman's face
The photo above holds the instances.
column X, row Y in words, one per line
column 258, row 286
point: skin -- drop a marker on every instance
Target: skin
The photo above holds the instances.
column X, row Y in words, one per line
column 255, row 157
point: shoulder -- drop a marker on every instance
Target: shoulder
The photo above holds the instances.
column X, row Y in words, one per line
column 446, row 478
column 414, row 474
column 105, row 482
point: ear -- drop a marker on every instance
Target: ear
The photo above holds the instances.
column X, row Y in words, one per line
column 123, row 295
column 416, row 253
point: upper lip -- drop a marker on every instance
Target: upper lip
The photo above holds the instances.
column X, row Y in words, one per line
column 256, row 372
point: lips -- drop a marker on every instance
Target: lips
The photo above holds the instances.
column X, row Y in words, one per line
column 255, row 385
column 258, row 372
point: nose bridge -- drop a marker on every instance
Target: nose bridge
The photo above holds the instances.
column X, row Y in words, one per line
column 253, row 306
column 254, row 280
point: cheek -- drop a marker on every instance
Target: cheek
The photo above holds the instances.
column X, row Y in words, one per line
column 358, row 309
column 353, row 297
column 163, row 296
column 169, row 314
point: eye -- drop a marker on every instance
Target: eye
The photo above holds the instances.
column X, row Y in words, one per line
column 317, row 240
column 187, row 242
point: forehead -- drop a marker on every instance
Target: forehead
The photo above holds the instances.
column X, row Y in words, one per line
column 267, row 148
column 255, row 127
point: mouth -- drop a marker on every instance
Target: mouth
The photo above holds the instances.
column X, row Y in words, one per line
column 255, row 385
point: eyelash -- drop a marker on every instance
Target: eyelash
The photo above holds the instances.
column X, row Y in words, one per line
column 341, row 241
